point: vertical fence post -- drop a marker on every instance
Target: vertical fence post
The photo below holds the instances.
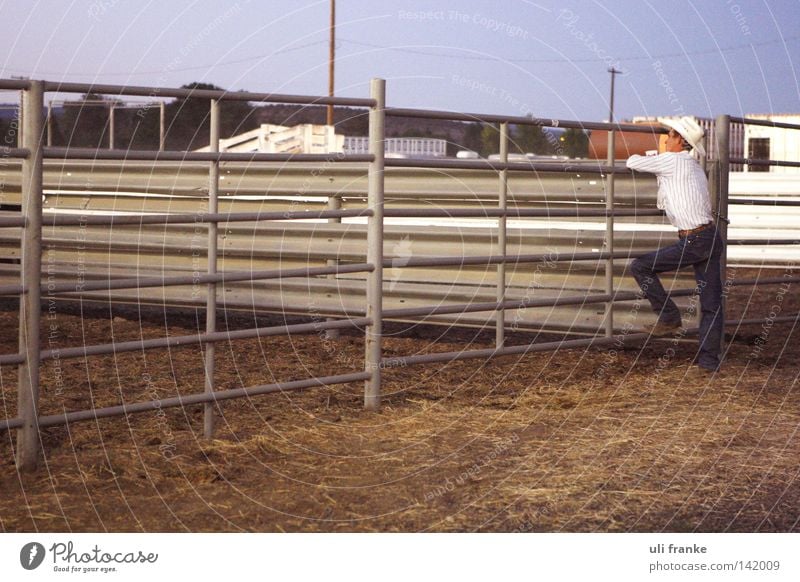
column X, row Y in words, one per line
column 111, row 126
column 502, row 223
column 722, row 136
column 21, row 120
column 162, row 123
column 334, row 203
column 50, row 124
column 711, row 167
column 609, row 242
column 722, row 129
column 374, row 331
column 611, row 158
column 27, row 454
column 211, row 290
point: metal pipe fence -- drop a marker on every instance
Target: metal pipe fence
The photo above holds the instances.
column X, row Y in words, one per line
column 33, row 151
column 18, row 153
column 502, row 167
column 722, row 131
column 200, row 218
column 205, row 339
column 181, row 156
column 112, row 107
column 181, row 401
column 448, row 164
column 369, row 319
column 520, row 120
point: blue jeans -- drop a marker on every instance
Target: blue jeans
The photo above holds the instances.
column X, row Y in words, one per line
column 702, row 250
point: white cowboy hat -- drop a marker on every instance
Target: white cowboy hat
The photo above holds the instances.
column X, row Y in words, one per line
column 689, row 130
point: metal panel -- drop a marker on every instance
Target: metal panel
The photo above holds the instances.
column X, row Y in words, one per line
column 346, row 180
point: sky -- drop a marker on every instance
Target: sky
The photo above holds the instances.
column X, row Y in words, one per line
column 548, row 59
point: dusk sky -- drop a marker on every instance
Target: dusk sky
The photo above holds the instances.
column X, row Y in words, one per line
column 517, row 57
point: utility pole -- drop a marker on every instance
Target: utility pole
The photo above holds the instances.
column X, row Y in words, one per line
column 613, row 72
column 611, row 140
column 331, row 59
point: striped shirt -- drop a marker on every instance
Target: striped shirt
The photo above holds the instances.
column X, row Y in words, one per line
column 682, row 187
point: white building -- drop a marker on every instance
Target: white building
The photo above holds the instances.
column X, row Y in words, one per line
column 411, row 147
column 773, row 143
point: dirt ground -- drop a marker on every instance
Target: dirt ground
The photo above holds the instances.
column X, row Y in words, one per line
column 576, row 440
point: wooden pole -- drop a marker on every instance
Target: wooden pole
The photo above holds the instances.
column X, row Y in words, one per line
column 331, row 59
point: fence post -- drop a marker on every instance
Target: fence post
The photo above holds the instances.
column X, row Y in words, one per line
column 111, row 126
column 28, row 443
column 609, row 242
column 21, row 119
column 162, row 123
column 373, row 332
column 211, row 290
column 334, row 203
column 711, row 167
column 50, row 124
column 722, row 129
column 502, row 223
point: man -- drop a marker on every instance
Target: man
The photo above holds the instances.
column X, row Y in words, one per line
column 683, row 195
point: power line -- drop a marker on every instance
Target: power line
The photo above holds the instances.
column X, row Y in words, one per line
column 420, row 51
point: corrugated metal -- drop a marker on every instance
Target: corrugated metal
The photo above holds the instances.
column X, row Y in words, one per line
column 142, row 187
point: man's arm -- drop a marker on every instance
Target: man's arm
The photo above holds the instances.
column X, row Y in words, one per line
column 660, row 164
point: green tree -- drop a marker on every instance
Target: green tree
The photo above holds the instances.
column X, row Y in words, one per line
column 472, row 138
column 140, row 127
column 531, row 139
column 85, row 123
column 189, row 118
column 490, row 140
column 575, row 143
column 351, row 121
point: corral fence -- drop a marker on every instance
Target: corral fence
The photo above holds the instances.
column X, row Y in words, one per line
column 588, row 193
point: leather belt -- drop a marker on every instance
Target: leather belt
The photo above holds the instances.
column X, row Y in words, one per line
column 684, row 233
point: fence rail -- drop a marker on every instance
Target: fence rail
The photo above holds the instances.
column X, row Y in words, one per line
column 550, row 184
column 347, row 259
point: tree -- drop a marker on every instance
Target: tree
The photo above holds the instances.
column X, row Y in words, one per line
column 490, row 140
column 140, row 128
column 189, row 119
column 575, row 143
column 472, row 138
column 85, row 123
column 531, row 139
